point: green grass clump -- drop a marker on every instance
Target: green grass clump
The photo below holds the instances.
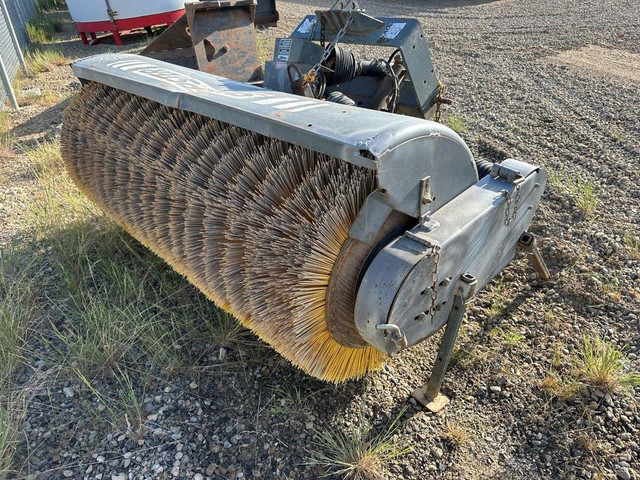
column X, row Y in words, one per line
column 596, row 364
column 457, row 123
column 42, row 28
column 632, row 244
column 585, row 195
column 600, row 364
column 358, row 453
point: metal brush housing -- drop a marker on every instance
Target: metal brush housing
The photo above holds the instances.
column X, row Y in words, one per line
column 338, row 234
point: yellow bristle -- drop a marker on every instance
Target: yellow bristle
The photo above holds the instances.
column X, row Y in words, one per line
column 257, row 224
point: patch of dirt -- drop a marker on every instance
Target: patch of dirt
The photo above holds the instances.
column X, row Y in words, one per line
column 607, row 62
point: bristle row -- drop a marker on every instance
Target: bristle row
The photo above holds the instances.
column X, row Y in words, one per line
column 255, row 223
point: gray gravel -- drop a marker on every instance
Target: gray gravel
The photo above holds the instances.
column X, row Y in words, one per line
column 496, row 59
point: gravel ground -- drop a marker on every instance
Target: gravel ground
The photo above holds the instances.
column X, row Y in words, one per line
column 518, row 97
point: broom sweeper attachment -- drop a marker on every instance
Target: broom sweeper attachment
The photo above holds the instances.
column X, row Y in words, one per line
column 338, row 234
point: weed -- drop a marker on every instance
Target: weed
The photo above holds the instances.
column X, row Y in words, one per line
column 7, row 140
column 632, row 243
column 121, row 407
column 97, row 336
column 585, row 195
column 618, row 135
column 224, row 330
column 457, row 123
column 17, row 307
column 509, row 337
column 589, row 444
column 551, row 318
column 46, row 158
column 457, row 436
column 557, row 178
column 290, row 403
column 611, row 287
column 601, row 365
column 565, row 390
column 8, row 433
column 358, row 453
column 498, row 304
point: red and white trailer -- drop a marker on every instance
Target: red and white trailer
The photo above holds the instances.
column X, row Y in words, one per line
column 121, row 16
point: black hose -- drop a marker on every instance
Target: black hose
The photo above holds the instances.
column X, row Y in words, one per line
column 344, row 65
column 396, row 51
column 484, row 167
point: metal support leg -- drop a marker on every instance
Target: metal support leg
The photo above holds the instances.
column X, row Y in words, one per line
column 83, row 36
column 6, row 81
column 528, row 243
column 116, row 37
column 429, row 394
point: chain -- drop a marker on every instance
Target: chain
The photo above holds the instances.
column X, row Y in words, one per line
column 516, row 203
column 438, row 102
column 509, row 212
column 311, row 75
column 435, row 250
column 323, row 26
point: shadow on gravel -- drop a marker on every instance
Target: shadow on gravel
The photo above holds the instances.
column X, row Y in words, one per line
column 40, row 127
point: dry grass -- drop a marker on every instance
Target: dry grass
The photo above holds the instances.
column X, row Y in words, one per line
column 597, row 364
column 498, row 298
column 40, row 60
column 632, row 244
column 7, row 140
column 26, row 96
column 358, row 453
column 457, row 435
column 564, row 389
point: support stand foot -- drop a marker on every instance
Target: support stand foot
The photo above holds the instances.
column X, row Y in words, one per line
column 429, row 394
column 432, row 404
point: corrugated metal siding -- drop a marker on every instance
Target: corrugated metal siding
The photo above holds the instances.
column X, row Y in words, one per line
column 20, row 11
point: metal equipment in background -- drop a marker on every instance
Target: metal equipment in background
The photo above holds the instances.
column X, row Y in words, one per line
column 336, row 228
column 313, row 61
column 213, row 37
column 118, row 17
